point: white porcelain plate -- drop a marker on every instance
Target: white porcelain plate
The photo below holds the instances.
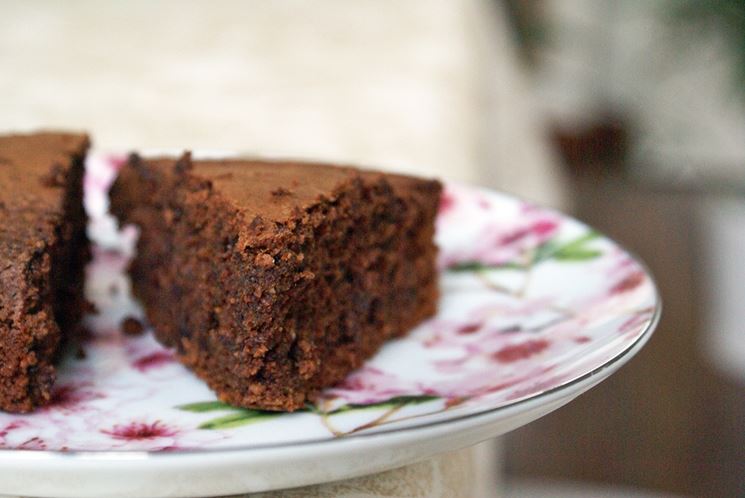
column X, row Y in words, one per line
column 536, row 308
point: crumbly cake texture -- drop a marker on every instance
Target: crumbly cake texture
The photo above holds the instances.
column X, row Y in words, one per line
column 43, row 251
column 273, row 280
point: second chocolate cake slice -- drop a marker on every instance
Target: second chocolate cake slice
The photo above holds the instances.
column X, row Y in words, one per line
column 273, row 280
column 43, row 251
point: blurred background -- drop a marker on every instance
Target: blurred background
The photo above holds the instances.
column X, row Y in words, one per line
column 644, row 105
column 629, row 114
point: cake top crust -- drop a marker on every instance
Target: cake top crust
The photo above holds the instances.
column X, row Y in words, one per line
column 33, row 169
column 274, row 189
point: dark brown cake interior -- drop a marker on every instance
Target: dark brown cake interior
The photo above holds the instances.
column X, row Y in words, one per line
column 274, row 280
column 43, row 250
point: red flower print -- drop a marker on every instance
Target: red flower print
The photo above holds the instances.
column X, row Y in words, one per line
column 540, row 228
column 137, row 431
column 458, row 400
column 16, row 424
column 35, row 443
column 522, row 351
column 469, row 328
column 629, row 283
column 116, row 161
column 153, row 360
column 447, row 202
column 371, row 385
column 69, row 395
column 12, row 426
column 499, row 244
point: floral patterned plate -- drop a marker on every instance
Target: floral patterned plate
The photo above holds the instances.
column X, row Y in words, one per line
column 536, row 308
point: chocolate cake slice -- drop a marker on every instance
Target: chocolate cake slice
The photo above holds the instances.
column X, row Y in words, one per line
column 43, row 250
column 273, row 280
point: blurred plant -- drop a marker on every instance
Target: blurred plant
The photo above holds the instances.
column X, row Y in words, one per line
column 529, row 25
column 726, row 17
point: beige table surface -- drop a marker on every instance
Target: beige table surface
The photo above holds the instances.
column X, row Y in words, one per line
column 423, row 86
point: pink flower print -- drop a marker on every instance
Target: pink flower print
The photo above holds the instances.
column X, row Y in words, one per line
column 108, row 260
column 539, row 228
column 452, row 366
column 447, row 202
column 153, row 360
column 521, row 351
column 500, row 245
column 35, row 443
column 469, row 328
column 101, row 172
column 138, row 431
column 10, row 427
column 116, row 161
column 371, row 385
column 484, row 203
column 68, row 396
column 629, row 283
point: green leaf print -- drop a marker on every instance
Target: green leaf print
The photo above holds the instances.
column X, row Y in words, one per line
column 577, row 255
column 389, row 403
column 545, row 251
column 205, row 406
column 574, row 250
column 239, row 418
column 466, row 266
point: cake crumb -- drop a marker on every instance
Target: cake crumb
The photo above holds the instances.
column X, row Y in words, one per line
column 84, row 334
column 132, row 326
column 281, row 192
column 264, row 260
column 90, row 308
column 55, row 177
